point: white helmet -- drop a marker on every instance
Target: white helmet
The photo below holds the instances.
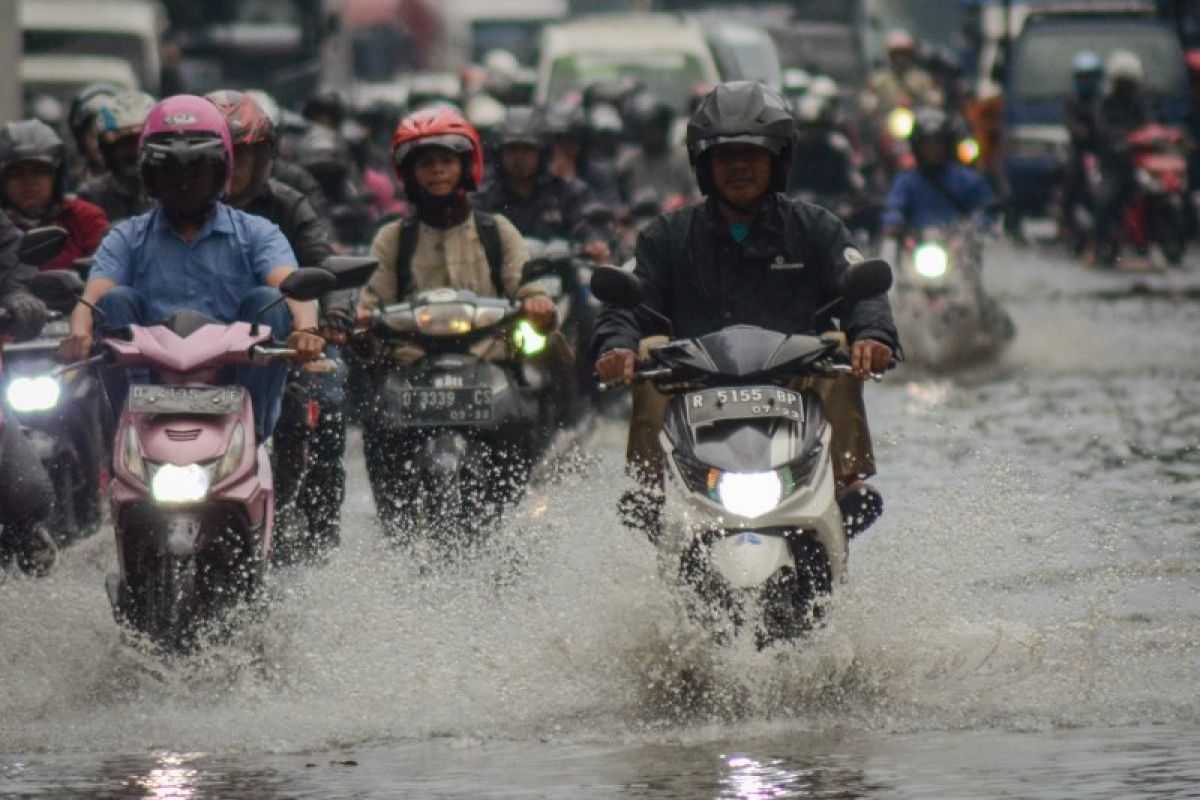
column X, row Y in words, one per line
column 268, row 104
column 125, row 113
column 825, row 88
column 1123, row 65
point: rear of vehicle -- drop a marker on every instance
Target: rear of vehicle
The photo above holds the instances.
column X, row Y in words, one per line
column 667, row 54
column 1039, row 78
column 744, row 52
column 82, row 31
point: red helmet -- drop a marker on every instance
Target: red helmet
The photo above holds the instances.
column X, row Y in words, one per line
column 439, row 127
column 248, row 122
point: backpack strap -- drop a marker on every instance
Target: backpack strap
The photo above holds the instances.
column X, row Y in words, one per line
column 408, row 234
column 489, row 239
column 493, row 248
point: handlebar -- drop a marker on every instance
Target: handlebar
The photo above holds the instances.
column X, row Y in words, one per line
column 643, row 375
column 265, row 355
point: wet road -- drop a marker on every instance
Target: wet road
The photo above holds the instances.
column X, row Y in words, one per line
column 1025, row 621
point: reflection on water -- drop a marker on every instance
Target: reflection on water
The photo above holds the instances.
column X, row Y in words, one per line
column 171, row 780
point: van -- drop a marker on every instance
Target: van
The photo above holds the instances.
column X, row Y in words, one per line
column 126, row 30
column 667, row 53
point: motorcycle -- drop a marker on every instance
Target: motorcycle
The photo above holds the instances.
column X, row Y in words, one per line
column 1156, row 211
column 65, row 416
column 460, row 410
column 940, row 302
column 748, row 461
column 192, row 495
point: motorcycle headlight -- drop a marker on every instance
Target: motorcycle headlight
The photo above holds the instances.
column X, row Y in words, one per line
column 445, row 319
column 179, row 484
column 133, row 455
column 900, row 123
column 749, row 494
column 233, row 455
column 527, row 339
column 931, row 261
column 39, row 393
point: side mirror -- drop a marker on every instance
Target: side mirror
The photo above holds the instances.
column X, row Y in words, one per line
column 617, row 287
column 866, row 279
column 58, row 288
column 350, row 272
column 308, row 284
column 41, row 245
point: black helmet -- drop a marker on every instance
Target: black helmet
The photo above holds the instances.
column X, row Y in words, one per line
column 33, row 140
column 746, row 112
column 327, row 156
column 326, row 103
column 522, row 125
column 931, row 123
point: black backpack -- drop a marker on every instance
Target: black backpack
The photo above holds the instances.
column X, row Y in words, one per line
column 489, row 237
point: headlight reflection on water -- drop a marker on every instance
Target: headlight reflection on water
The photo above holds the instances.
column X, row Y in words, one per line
column 749, row 779
column 171, row 780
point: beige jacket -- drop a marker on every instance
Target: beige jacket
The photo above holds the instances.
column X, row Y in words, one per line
column 453, row 257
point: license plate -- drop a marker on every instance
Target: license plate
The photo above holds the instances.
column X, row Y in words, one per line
column 744, row 402
column 152, row 399
column 459, row 406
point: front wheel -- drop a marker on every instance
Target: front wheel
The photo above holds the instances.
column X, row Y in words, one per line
column 792, row 601
column 1168, row 222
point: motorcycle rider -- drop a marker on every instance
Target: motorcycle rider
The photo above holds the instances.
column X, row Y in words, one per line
column 1079, row 115
column 26, row 494
column 119, row 191
column 748, row 255
column 326, row 156
column 439, row 157
column 655, row 161
column 822, row 158
column 540, row 204
column 1123, row 109
column 902, row 82
column 569, row 128
column 87, row 162
column 253, row 190
column 33, row 170
column 193, row 251
column 940, row 190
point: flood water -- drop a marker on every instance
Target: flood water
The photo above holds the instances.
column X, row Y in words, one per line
column 1023, row 622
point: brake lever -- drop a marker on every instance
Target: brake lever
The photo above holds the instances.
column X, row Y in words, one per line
column 849, row 370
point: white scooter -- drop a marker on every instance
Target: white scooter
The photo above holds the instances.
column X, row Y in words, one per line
column 749, row 463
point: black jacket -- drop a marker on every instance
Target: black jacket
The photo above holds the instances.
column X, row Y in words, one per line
column 302, row 181
column 554, row 212
column 696, row 275
column 117, row 204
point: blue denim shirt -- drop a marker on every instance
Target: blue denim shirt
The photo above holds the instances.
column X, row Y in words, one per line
column 913, row 203
column 232, row 255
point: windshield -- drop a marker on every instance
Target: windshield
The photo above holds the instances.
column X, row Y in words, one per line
column 1042, row 68
column 519, row 37
column 123, row 46
column 928, row 22
column 671, row 76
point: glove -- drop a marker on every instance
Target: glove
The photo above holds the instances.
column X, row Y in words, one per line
column 27, row 315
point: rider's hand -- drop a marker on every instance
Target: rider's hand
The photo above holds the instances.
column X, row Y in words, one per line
column 597, row 251
column 308, row 345
column 617, row 365
column 540, row 311
column 78, row 343
column 868, row 357
column 336, row 327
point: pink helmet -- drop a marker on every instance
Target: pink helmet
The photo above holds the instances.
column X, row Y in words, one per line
column 185, row 128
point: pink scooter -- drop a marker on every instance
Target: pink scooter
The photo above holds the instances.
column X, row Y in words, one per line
column 192, row 494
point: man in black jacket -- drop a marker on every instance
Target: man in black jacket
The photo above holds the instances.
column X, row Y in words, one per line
column 748, row 255
column 541, row 205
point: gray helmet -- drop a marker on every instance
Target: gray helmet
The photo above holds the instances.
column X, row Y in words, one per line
column 522, row 125
column 746, row 112
column 33, row 140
